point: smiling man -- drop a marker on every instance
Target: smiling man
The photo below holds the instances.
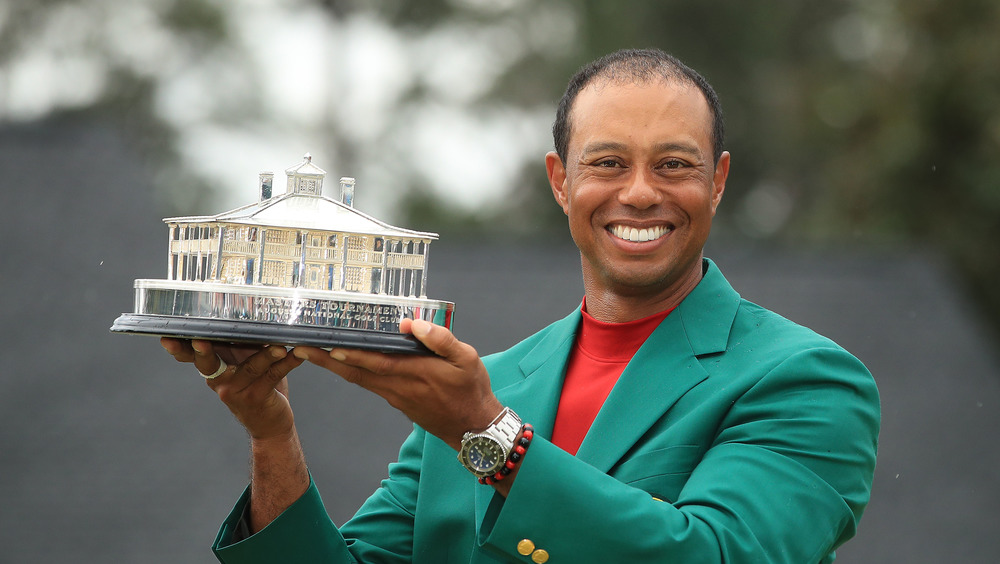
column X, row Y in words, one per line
column 673, row 421
column 640, row 183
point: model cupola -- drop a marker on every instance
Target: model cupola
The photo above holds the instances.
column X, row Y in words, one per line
column 305, row 178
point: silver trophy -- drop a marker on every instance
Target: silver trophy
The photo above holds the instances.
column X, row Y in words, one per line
column 293, row 269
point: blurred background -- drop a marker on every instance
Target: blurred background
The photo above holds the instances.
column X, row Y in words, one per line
column 864, row 202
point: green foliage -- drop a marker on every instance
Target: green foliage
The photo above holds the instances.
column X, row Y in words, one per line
column 861, row 122
column 857, row 123
column 196, row 18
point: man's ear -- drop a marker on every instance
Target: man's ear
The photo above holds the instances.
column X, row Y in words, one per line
column 719, row 180
column 556, row 171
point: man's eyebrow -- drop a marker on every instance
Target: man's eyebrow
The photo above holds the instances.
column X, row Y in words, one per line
column 669, row 147
column 688, row 148
column 599, row 146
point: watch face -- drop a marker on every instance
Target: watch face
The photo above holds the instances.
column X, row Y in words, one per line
column 485, row 456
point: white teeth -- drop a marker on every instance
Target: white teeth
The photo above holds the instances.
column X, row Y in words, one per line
column 638, row 235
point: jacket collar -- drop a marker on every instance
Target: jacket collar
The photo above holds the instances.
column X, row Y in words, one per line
column 708, row 312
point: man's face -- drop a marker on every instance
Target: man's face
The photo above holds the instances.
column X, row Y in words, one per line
column 639, row 185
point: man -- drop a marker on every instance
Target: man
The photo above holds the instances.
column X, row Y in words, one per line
column 673, row 421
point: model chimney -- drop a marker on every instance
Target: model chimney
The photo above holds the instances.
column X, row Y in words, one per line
column 347, row 191
column 266, row 185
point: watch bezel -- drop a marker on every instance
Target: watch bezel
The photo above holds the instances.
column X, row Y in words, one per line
column 483, row 442
column 501, row 434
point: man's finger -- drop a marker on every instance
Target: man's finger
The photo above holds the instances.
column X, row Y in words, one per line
column 438, row 339
column 376, row 372
column 337, row 361
column 180, row 349
column 205, row 360
column 353, row 365
column 262, row 363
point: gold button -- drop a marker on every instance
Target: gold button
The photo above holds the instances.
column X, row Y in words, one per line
column 540, row 556
column 525, row 547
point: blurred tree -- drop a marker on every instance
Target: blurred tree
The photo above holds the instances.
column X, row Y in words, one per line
column 106, row 60
column 912, row 116
column 850, row 122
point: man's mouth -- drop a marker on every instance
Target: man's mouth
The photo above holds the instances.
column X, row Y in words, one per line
column 638, row 235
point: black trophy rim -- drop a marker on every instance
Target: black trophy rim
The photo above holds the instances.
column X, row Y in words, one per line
column 258, row 332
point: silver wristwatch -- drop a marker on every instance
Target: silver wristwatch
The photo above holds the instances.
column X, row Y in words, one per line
column 484, row 453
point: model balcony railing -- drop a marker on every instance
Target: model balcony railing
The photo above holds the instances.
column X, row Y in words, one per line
column 193, row 246
column 402, row 260
column 241, row 247
column 281, row 250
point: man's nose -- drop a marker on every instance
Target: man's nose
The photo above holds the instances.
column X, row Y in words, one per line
column 639, row 192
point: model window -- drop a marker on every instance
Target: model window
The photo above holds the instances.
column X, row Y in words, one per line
column 354, row 278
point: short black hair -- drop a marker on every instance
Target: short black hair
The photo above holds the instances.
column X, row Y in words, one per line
column 636, row 66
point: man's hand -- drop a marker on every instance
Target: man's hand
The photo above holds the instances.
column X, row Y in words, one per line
column 447, row 394
column 253, row 387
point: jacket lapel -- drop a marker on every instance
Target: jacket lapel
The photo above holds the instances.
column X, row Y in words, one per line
column 535, row 393
column 663, row 370
column 536, row 396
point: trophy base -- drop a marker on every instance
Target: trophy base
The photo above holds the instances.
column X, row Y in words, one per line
column 260, row 332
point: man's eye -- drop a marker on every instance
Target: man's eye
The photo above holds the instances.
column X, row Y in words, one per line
column 673, row 163
column 608, row 164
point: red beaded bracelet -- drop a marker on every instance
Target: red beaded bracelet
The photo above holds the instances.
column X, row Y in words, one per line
column 527, row 433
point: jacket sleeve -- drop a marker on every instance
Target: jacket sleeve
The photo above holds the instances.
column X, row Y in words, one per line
column 381, row 531
column 784, row 481
column 302, row 533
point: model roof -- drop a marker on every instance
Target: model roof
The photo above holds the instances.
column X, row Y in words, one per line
column 306, row 211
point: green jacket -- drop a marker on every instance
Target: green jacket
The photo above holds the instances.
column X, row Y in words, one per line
column 733, row 436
